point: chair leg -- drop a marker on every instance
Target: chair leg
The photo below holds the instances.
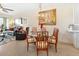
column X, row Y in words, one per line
column 47, row 52
column 37, row 52
column 56, row 47
column 27, row 46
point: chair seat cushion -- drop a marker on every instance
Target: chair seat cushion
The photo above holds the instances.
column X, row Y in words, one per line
column 41, row 44
column 31, row 39
column 52, row 40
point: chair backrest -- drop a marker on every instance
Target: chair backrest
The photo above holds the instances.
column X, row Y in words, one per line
column 44, row 29
column 27, row 30
column 34, row 30
column 42, row 36
column 55, row 33
column 42, row 41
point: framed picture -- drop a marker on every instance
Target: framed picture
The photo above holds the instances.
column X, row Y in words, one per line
column 47, row 17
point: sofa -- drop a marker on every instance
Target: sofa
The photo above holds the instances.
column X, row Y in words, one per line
column 19, row 35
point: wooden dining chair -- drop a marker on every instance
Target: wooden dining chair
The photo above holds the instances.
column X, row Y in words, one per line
column 34, row 30
column 42, row 42
column 54, row 38
column 29, row 38
column 27, row 30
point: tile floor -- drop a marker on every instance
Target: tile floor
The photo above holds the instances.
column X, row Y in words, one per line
column 19, row 48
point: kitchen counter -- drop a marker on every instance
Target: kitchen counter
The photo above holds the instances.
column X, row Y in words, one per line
column 69, row 30
column 75, row 33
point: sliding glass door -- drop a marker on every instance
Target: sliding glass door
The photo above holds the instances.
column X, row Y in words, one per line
column 18, row 22
column 1, row 21
column 1, row 24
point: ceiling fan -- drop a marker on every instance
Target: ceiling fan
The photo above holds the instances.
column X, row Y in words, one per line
column 5, row 9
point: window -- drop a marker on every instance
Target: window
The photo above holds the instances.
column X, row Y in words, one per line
column 18, row 22
column 7, row 24
column 1, row 21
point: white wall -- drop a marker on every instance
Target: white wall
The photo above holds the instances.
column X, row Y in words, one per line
column 76, row 14
column 64, row 18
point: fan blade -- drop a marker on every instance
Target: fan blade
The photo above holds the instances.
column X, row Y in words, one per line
column 5, row 10
column 8, row 9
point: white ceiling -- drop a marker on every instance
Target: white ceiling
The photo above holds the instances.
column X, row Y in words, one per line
column 20, row 9
column 29, row 9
